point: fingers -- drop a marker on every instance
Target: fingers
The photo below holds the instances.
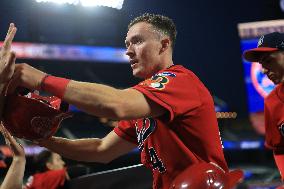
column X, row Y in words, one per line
column 10, row 28
column 5, row 132
column 15, row 80
column 9, row 65
column 12, row 59
column 16, row 148
column 9, row 37
column 13, row 83
column 8, row 138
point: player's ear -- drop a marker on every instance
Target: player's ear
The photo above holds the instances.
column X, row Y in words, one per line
column 165, row 44
column 49, row 165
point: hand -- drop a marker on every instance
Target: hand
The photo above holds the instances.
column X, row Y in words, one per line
column 16, row 148
column 26, row 76
column 7, row 58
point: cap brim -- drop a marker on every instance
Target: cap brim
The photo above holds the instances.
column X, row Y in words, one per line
column 254, row 55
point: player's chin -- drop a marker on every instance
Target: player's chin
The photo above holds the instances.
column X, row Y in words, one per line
column 277, row 81
column 138, row 74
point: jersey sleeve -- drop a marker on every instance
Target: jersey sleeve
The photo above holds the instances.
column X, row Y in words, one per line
column 126, row 130
column 177, row 92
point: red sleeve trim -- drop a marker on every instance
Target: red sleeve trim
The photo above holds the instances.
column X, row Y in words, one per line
column 156, row 99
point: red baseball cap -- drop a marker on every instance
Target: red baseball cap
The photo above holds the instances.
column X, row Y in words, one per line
column 267, row 43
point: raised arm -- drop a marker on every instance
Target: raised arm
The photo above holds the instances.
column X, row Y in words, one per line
column 15, row 174
column 96, row 99
column 91, row 150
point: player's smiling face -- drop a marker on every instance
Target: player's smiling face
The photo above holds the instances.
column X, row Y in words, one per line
column 273, row 66
column 143, row 45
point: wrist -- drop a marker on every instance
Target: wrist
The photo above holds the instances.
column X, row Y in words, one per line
column 41, row 84
column 44, row 142
column 19, row 159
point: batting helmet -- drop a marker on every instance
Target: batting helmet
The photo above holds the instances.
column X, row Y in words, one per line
column 206, row 176
column 33, row 116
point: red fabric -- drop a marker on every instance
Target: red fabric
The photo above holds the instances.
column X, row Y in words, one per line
column 201, row 176
column 2, row 164
column 188, row 134
column 274, row 118
column 53, row 179
column 55, row 85
column 274, row 125
column 279, row 160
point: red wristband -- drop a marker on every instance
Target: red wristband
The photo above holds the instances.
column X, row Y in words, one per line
column 54, row 85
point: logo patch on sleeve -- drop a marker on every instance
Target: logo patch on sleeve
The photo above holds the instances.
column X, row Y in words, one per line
column 158, row 81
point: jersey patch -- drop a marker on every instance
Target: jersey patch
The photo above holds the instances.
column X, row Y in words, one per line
column 158, row 81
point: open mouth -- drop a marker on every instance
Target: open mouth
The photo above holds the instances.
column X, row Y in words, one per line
column 132, row 62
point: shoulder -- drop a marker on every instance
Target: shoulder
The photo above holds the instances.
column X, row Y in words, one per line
column 175, row 72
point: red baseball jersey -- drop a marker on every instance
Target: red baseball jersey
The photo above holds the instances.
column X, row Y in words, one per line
column 274, row 125
column 187, row 134
column 274, row 118
column 53, row 179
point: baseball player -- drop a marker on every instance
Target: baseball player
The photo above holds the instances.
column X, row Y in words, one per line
column 50, row 172
column 269, row 53
column 169, row 116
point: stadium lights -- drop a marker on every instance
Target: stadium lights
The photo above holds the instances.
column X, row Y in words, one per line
column 117, row 4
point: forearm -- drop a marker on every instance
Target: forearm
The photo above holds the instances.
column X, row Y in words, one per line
column 102, row 100
column 15, row 174
column 96, row 99
column 89, row 150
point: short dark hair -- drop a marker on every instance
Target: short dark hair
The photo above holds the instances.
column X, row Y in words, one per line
column 41, row 159
column 162, row 23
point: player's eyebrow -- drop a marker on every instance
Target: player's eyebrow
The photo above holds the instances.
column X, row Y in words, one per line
column 133, row 38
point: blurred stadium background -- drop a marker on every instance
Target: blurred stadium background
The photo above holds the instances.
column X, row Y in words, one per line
column 86, row 43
